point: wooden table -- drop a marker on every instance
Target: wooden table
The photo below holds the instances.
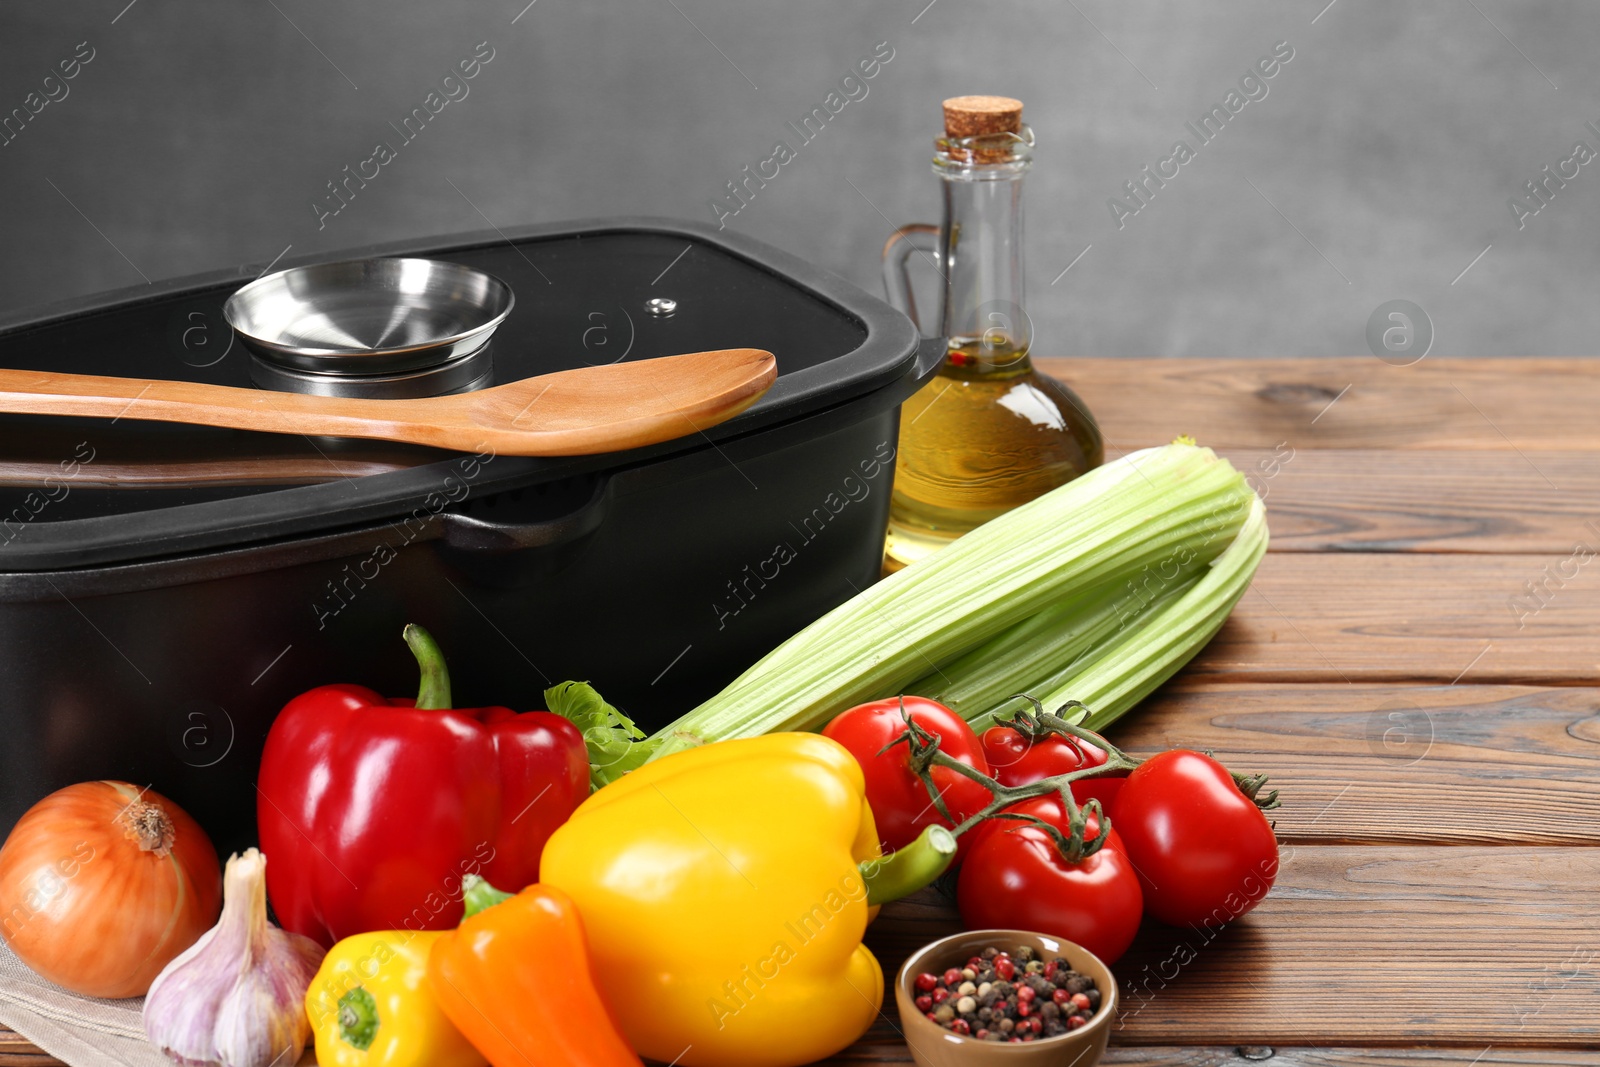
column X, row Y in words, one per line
column 1434, row 726
column 1435, row 731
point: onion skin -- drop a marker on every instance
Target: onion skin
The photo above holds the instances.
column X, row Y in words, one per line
column 102, row 884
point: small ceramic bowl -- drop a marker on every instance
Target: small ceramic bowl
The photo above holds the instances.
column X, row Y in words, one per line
column 932, row 1045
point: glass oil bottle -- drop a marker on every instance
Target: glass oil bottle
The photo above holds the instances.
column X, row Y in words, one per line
column 989, row 432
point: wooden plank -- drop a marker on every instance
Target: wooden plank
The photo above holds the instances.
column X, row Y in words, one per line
column 1438, row 764
column 888, row 1048
column 1371, row 945
column 1267, row 1056
column 1365, row 500
column 1461, row 945
column 883, row 1045
column 1358, row 402
column 1371, row 617
column 18, row 1051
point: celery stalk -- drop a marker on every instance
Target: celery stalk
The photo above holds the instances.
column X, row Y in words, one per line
column 1041, row 652
column 1101, row 530
column 1142, row 657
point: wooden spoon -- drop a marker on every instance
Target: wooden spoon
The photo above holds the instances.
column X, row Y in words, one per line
column 576, row 412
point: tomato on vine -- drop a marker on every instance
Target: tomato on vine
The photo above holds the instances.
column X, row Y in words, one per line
column 1019, row 876
column 1204, row 851
column 900, row 802
column 1021, row 758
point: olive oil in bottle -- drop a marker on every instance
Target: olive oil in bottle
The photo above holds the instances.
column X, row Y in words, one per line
column 981, row 438
column 989, row 432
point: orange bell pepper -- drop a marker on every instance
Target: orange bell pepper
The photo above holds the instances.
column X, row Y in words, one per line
column 516, row 979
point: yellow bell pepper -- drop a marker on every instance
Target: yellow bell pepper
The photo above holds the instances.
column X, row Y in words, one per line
column 370, row 1005
column 725, row 890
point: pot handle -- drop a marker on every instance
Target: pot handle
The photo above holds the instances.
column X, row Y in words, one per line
column 503, row 532
column 931, row 354
column 916, row 237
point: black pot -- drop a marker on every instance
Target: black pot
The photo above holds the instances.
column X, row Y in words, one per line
column 165, row 589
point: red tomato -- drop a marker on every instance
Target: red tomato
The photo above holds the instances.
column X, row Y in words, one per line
column 1019, row 761
column 1205, row 853
column 1016, row 878
column 900, row 803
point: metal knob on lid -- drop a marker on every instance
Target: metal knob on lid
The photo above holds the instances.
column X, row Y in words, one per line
column 386, row 328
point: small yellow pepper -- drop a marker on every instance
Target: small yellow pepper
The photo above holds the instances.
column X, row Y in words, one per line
column 371, row 1006
column 725, row 890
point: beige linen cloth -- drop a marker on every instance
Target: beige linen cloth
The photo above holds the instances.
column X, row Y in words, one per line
column 80, row 1031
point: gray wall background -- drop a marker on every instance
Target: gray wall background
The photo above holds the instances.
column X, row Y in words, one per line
column 1382, row 158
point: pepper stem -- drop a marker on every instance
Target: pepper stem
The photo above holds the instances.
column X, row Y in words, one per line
column 479, row 894
column 906, row 870
column 358, row 1018
column 434, row 692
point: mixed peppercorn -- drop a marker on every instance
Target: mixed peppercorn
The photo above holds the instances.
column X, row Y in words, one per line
column 1008, row 996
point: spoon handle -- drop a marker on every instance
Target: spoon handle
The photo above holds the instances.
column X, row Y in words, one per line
column 28, row 392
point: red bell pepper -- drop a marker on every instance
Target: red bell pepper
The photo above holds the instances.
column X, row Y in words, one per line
column 374, row 809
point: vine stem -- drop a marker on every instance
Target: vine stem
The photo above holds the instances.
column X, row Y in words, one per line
column 1036, row 724
column 1075, row 844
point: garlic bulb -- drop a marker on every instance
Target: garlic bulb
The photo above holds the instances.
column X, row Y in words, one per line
column 236, row 998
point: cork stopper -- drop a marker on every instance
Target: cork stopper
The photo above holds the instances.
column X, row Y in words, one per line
column 974, row 116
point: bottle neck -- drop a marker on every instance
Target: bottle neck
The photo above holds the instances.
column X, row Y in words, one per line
column 987, row 330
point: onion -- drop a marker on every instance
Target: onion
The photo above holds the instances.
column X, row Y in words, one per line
column 102, row 884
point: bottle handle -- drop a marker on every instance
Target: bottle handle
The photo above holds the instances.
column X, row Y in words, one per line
column 916, row 237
